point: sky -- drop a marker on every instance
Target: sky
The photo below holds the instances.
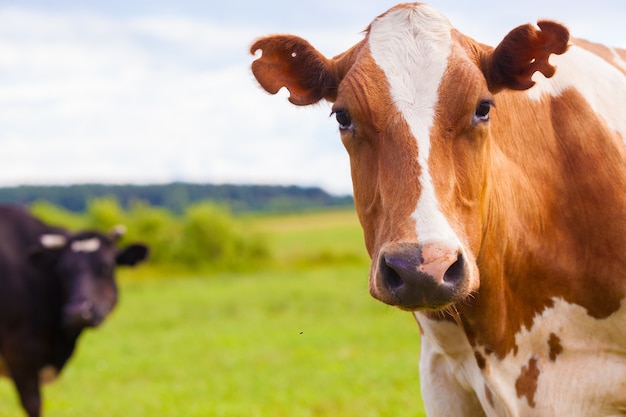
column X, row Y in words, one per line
column 123, row 91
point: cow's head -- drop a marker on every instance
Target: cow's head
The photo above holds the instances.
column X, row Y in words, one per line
column 85, row 265
column 413, row 103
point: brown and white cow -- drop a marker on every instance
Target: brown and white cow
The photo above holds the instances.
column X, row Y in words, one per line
column 492, row 194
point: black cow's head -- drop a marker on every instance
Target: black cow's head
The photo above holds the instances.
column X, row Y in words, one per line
column 84, row 263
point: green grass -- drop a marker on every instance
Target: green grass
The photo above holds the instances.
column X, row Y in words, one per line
column 293, row 342
column 314, row 238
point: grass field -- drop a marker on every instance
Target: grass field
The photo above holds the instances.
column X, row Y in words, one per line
column 302, row 340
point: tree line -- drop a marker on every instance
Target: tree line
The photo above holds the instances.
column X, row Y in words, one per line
column 176, row 197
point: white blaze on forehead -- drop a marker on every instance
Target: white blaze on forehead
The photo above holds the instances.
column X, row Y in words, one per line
column 602, row 85
column 411, row 45
column 86, row 245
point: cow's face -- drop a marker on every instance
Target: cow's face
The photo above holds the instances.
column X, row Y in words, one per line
column 416, row 158
column 85, row 265
column 413, row 102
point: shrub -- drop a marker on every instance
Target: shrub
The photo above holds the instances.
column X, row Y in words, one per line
column 155, row 226
column 212, row 238
column 206, row 237
column 104, row 213
column 57, row 216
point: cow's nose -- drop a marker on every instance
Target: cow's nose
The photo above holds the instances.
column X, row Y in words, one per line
column 79, row 314
column 413, row 276
column 441, row 262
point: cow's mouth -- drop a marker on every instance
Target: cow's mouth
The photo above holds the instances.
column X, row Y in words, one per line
column 82, row 314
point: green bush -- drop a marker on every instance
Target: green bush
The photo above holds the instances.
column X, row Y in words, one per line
column 58, row 216
column 212, row 238
column 104, row 213
column 205, row 237
column 156, row 226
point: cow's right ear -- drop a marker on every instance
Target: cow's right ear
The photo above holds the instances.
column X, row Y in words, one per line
column 291, row 62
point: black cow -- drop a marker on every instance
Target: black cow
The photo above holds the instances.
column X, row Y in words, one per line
column 53, row 284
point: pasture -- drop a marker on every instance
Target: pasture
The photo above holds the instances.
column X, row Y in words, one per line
column 303, row 338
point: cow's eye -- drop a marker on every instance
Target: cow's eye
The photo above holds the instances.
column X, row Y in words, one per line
column 481, row 114
column 343, row 119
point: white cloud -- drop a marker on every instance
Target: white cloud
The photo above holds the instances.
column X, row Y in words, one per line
column 90, row 98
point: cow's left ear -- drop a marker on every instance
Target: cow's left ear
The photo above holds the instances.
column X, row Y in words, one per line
column 132, row 254
column 524, row 51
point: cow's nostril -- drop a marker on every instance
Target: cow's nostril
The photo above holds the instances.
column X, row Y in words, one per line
column 390, row 275
column 456, row 271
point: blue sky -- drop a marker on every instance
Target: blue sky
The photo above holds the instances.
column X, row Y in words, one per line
column 123, row 91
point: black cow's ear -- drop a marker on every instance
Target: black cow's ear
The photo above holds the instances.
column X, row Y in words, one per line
column 132, row 254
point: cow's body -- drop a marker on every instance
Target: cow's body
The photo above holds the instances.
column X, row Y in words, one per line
column 493, row 208
column 53, row 284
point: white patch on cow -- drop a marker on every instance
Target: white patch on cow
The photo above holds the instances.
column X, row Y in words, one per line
column 586, row 378
column 411, row 45
column 451, row 382
column 601, row 84
column 52, row 241
column 48, row 374
column 87, row 245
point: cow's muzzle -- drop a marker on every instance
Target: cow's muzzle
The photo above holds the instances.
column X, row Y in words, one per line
column 82, row 314
column 417, row 277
